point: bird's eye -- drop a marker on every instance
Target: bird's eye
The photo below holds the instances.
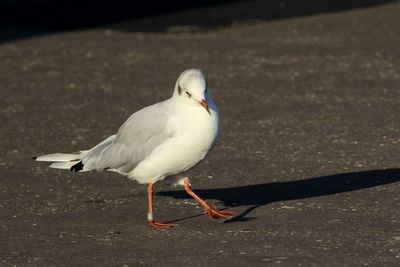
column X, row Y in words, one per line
column 188, row 94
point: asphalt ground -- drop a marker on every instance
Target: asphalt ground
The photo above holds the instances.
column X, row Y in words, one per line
column 308, row 156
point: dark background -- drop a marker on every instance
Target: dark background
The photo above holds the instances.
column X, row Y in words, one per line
column 26, row 18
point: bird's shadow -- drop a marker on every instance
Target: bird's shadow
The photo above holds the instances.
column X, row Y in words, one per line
column 258, row 195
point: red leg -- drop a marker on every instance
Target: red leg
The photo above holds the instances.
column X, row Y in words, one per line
column 212, row 213
column 150, row 219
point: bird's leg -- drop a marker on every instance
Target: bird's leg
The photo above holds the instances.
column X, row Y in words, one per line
column 150, row 219
column 212, row 213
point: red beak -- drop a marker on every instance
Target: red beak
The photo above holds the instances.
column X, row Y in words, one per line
column 205, row 105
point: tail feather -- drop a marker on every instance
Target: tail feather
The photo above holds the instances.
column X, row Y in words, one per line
column 64, row 161
column 75, row 162
column 77, row 167
column 61, row 157
column 62, row 165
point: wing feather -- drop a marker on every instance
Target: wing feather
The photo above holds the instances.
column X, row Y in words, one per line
column 135, row 140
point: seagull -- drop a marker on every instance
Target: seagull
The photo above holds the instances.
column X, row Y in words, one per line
column 158, row 141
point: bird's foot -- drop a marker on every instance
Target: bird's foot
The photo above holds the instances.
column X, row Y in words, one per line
column 160, row 225
column 215, row 214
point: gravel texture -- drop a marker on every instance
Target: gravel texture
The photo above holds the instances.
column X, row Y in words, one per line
column 308, row 155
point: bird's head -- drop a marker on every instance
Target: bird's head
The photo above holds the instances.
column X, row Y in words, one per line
column 191, row 88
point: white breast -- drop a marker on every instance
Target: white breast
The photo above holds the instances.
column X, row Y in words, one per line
column 195, row 132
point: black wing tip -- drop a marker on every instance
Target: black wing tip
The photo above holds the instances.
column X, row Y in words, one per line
column 77, row 167
column 34, row 158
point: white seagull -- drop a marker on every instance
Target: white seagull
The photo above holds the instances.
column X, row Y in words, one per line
column 158, row 141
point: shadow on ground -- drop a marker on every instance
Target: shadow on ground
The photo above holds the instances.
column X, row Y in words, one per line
column 262, row 194
column 27, row 18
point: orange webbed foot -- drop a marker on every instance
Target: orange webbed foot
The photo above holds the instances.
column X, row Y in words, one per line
column 215, row 214
column 160, row 225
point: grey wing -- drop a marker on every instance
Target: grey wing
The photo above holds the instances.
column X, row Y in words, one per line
column 136, row 139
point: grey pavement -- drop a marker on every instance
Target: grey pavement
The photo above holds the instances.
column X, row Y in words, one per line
column 308, row 154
